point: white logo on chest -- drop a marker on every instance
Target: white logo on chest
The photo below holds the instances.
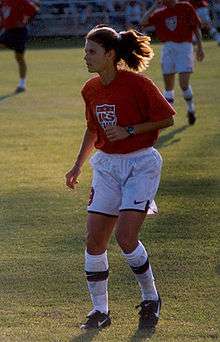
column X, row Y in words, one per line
column 106, row 115
column 171, row 23
column 6, row 11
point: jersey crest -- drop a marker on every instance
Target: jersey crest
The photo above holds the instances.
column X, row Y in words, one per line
column 171, row 23
column 6, row 11
column 106, row 115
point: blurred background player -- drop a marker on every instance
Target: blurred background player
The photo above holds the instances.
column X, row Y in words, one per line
column 202, row 9
column 175, row 24
column 14, row 16
column 124, row 113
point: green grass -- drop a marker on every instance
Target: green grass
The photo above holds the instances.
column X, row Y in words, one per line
column 43, row 294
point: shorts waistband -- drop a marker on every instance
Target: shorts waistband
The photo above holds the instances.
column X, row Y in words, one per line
column 141, row 152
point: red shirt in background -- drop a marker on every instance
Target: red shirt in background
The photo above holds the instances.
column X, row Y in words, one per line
column 129, row 99
column 15, row 13
column 175, row 24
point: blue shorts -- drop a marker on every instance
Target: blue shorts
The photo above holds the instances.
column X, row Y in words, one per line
column 15, row 39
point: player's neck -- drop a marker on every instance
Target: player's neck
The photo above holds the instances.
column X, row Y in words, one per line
column 108, row 75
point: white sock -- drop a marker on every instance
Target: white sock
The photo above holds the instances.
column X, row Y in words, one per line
column 96, row 267
column 138, row 261
column 169, row 96
column 22, row 83
column 188, row 97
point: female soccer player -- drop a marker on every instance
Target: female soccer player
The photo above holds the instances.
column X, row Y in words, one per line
column 14, row 16
column 175, row 25
column 124, row 113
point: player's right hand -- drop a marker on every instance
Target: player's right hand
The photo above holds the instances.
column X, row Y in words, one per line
column 71, row 177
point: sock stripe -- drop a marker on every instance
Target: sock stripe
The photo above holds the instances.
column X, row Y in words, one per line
column 97, row 276
column 141, row 269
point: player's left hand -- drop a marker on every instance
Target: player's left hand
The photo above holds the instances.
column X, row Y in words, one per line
column 116, row 133
column 200, row 54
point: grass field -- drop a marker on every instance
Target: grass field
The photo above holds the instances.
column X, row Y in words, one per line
column 43, row 294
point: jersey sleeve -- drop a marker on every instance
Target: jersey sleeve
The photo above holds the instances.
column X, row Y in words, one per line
column 28, row 8
column 91, row 124
column 153, row 105
column 194, row 18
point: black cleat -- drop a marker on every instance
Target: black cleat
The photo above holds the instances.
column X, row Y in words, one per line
column 191, row 117
column 96, row 320
column 149, row 313
column 19, row 90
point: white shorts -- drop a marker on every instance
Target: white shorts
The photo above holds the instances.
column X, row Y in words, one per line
column 177, row 58
column 125, row 181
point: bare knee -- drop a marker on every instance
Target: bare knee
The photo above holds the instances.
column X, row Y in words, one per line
column 126, row 243
column 94, row 244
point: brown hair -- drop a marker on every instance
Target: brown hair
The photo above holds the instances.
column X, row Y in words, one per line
column 132, row 47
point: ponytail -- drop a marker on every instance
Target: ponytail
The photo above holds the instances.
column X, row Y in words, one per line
column 132, row 48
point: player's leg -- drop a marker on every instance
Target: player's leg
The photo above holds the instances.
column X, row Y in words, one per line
column 169, row 83
column 99, row 229
column 138, row 192
column 168, row 71
column 103, row 212
column 127, row 231
column 184, row 81
column 22, row 68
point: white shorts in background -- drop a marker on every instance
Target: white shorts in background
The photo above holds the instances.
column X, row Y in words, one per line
column 125, row 182
column 177, row 58
column 203, row 14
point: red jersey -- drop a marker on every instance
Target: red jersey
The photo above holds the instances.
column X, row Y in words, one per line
column 175, row 24
column 15, row 13
column 129, row 99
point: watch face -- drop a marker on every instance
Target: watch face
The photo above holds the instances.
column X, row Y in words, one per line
column 130, row 130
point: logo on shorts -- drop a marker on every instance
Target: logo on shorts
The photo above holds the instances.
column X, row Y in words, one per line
column 171, row 23
column 91, row 195
column 106, row 115
column 139, row 202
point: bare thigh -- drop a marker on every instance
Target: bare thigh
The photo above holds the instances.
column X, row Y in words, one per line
column 99, row 230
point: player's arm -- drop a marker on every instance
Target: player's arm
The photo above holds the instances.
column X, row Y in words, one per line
column 151, row 126
column 200, row 54
column 86, row 148
column 116, row 132
column 145, row 19
column 31, row 8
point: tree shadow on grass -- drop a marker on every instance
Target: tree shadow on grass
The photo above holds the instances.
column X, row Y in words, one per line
column 166, row 139
column 142, row 335
column 85, row 336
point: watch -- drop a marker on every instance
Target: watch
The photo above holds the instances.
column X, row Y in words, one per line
column 130, row 130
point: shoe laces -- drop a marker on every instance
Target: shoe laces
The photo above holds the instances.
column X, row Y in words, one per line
column 146, row 306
